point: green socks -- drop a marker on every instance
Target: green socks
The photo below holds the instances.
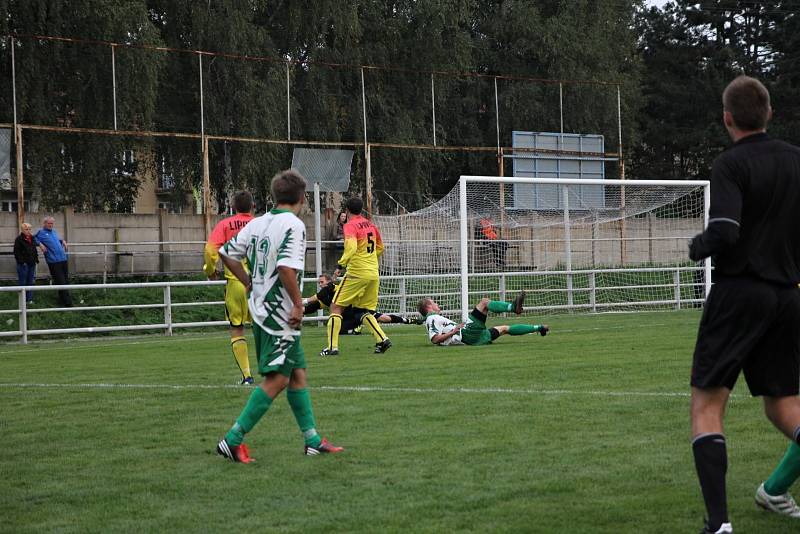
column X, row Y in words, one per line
column 300, row 401
column 498, row 306
column 522, row 329
column 257, row 405
column 786, row 473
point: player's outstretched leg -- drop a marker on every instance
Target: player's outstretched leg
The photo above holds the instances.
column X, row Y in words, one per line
column 394, row 318
column 333, row 327
column 499, row 306
column 383, row 342
column 522, row 329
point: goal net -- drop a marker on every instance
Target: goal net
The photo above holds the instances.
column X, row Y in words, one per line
column 571, row 244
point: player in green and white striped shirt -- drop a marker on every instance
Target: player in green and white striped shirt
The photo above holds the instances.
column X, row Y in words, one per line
column 274, row 246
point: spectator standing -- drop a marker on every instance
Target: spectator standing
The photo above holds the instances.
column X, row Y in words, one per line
column 341, row 220
column 55, row 254
column 497, row 246
column 27, row 257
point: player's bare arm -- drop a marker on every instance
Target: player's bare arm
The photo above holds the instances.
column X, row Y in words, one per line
column 288, row 278
column 441, row 338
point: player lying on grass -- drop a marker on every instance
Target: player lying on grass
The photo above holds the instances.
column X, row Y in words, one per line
column 443, row 331
column 351, row 317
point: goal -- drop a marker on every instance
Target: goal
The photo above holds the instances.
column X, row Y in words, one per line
column 574, row 245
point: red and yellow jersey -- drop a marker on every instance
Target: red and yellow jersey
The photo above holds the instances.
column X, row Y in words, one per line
column 362, row 246
column 223, row 232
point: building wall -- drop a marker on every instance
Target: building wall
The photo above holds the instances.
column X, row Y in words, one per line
column 107, row 243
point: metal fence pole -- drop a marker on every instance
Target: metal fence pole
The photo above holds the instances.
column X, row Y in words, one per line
column 462, row 195
column 568, row 247
column 676, row 278
column 20, row 177
column 105, row 263
column 593, row 291
column 317, row 231
column 114, row 82
column 23, row 316
column 433, row 108
column 368, row 177
column 497, row 114
column 168, row 309
column 402, row 291
column 561, row 111
column 14, row 81
column 288, row 106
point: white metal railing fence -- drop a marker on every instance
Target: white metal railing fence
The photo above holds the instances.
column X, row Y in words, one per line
column 394, row 288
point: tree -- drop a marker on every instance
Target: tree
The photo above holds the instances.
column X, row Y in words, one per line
column 690, row 53
column 69, row 84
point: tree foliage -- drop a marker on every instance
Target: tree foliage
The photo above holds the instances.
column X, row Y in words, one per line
column 681, row 55
column 690, row 52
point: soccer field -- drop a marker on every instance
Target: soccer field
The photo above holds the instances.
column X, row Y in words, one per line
column 585, row 430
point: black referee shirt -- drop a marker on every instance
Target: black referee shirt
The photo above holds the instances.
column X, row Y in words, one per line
column 754, row 219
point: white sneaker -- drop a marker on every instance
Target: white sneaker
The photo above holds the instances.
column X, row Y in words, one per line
column 724, row 528
column 781, row 504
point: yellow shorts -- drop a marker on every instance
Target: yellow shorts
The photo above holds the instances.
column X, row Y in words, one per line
column 236, row 310
column 358, row 293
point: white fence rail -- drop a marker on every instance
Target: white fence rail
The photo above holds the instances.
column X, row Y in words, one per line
column 398, row 294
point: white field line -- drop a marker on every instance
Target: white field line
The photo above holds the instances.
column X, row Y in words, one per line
column 363, row 389
column 83, row 344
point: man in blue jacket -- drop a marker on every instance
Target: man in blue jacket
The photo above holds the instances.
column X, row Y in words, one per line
column 55, row 254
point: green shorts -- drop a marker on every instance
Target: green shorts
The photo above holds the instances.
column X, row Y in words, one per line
column 278, row 354
column 475, row 332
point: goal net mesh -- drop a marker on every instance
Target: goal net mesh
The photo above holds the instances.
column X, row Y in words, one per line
column 569, row 246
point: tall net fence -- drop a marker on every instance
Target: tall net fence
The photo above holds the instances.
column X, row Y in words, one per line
column 162, row 105
column 570, row 246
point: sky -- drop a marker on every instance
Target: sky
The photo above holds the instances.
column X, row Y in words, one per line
column 656, row 3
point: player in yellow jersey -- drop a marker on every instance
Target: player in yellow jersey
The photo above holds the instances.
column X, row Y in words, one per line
column 236, row 310
column 359, row 286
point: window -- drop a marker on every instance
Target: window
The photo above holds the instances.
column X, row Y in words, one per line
column 166, row 180
column 170, row 207
column 10, row 206
column 127, row 164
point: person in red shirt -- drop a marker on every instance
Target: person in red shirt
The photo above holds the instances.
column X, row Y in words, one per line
column 497, row 247
column 236, row 310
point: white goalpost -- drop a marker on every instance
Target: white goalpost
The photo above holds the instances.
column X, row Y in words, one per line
column 574, row 245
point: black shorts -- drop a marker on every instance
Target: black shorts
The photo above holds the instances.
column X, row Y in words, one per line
column 351, row 319
column 752, row 326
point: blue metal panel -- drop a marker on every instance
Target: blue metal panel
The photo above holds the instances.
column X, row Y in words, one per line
column 539, row 165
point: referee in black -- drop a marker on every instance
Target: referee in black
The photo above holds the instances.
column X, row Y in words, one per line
column 751, row 318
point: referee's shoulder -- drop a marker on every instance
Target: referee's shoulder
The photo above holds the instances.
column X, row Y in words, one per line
column 786, row 146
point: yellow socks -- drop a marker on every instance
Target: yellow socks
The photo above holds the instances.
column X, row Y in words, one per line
column 239, row 348
column 373, row 325
column 334, row 326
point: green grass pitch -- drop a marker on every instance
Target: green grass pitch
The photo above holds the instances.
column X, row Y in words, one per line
column 585, row 430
